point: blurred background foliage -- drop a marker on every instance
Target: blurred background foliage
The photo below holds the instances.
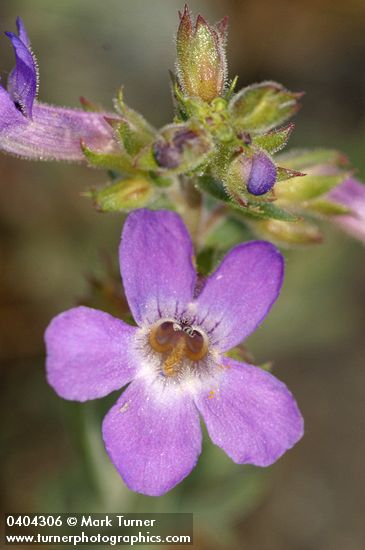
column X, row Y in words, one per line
column 54, row 247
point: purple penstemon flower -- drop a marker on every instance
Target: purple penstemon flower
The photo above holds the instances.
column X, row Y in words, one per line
column 175, row 359
column 351, row 193
column 34, row 130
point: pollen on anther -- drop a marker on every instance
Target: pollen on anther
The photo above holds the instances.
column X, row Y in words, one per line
column 124, row 407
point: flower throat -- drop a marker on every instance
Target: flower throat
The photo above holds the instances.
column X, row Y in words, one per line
column 177, row 342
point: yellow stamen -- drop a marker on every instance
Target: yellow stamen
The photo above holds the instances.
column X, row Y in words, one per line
column 175, row 357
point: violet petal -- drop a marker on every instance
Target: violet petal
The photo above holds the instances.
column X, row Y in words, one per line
column 88, row 354
column 153, row 437
column 54, row 133
column 156, row 264
column 9, row 115
column 240, row 293
column 251, row 415
column 22, row 33
column 23, row 79
column 351, row 194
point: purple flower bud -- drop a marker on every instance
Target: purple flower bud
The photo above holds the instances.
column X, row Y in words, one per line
column 170, row 154
column 181, row 147
column 258, row 172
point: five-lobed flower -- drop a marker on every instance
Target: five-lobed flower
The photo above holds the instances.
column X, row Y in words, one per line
column 175, row 360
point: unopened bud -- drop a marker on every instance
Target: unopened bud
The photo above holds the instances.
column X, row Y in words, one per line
column 124, row 195
column 181, row 148
column 324, row 170
column 201, row 61
column 288, row 233
column 261, row 107
column 252, row 172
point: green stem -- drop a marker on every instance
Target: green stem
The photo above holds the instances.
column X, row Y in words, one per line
column 189, row 203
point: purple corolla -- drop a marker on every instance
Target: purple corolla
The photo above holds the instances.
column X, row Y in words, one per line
column 34, row 130
column 351, row 194
column 175, row 359
column 259, row 173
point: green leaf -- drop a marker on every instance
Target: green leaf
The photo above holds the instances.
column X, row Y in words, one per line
column 109, row 161
column 261, row 107
column 275, row 140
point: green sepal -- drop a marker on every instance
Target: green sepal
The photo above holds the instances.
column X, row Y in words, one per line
column 161, row 181
column 283, row 174
column 138, row 125
column 283, row 233
column 213, row 187
column 132, row 141
column 145, row 160
column 89, row 106
column 241, row 353
column 181, row 114
column 205, row 260
column 195, row 107
column 253, row 208
column 261, row 107
column 302, row 159
column 231, row 89
column 113, row 175
column 125, row 195
column 268, row 211
column 110, row 161
column 275, row 140
column 307, row 188
column 267, row 366
column 327, row 208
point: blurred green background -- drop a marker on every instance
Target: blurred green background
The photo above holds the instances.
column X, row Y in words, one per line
column 53, row 242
